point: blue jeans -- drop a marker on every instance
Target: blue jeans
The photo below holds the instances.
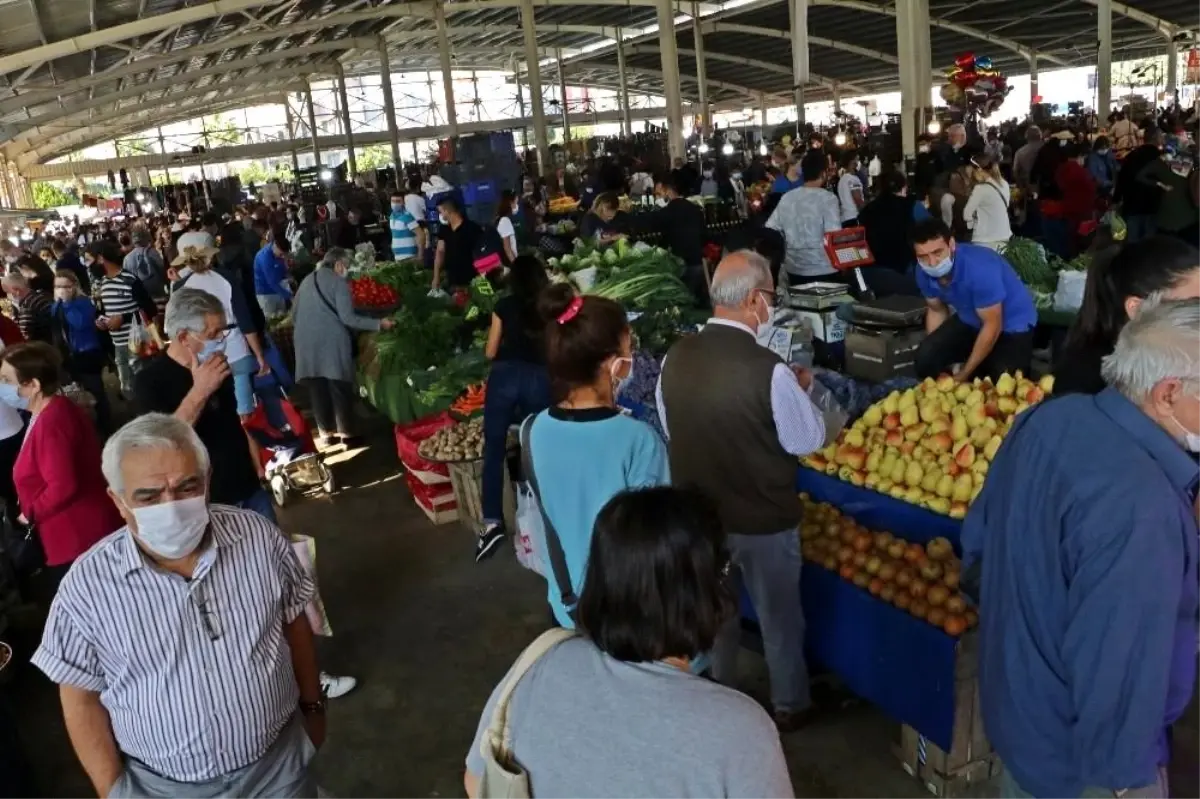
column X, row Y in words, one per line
column 1056, row 235
column 244, row 370
column 1140, row 226
column 515, row 389
column 261, row 503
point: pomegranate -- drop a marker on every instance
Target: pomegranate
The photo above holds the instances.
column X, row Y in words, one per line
column 859, row 559
column 887, row 571
column 955, row 624
column 896, row 549
column 951, row 578
column 873, row 565
column 913, row 553
column 917, row 588
column 937, row 594
column 861, row 579
column 956, row 604
column 862, row 542
column 830, row 562
column 939, row 548
column 919, row 608
column 846, row 572
column 883, row 541
column 931, row 570
column 936, row 616
column 844, row 554
column 875, row 586
column 888, row 592
column 902, row 600
column 904, row 577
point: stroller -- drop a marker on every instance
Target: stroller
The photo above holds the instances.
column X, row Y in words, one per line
column 287, row 451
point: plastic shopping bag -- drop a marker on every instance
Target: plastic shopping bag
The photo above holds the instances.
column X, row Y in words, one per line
column 528, row 541
column 832, row 412
column 306, row 552
column 1069, row 294
column 144, row 339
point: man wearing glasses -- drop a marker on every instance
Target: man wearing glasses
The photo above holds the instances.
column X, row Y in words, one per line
column 180, row 643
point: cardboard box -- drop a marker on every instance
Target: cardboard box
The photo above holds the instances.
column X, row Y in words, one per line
column 826, row 325
column 880, row 354
column 818, row 303
column 971, row 760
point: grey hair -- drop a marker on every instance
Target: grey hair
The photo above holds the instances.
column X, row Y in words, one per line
column 15, row 280
column 335, row 254
column 957, row 127
column 1162, row 341
column 151, row 431
column 732, row 288
column 186, row 311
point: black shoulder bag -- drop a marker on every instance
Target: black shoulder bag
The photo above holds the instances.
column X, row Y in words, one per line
column 554, row 550
column 316, row 279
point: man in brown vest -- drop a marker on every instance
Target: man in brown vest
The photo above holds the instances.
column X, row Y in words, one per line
column 738, row 417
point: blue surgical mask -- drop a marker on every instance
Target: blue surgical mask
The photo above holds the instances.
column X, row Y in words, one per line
column 9, row 396
column 940, row 269
column 210, row 348
column 397, row 206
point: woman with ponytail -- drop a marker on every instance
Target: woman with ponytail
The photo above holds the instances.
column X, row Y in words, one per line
column 583, row 450
column 1119, row 280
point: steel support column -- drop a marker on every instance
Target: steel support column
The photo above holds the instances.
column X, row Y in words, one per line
column 162, row 148
column 623, row 86
column 1172, row 68
column 533, row 74
column 562, row 95
column 837, row 98
column 701, row 71
column 521, row 108
column 291, row 128
column 762, row 115
column 344, row 104
column 389, row 110
column 439, row 13
column 798, row 12
column 923, row 76
column 669, row 52
column 1033, row 78
column 906, row 49
column 312, row 124
column 1104, row 58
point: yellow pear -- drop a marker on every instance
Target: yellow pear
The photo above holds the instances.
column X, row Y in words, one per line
column 929, row 411
column 1006, row 385
column 897, row 491
column 873, row 459
column 844, row 473
column 980, row 467
column 945, row 459
column 939, row 505
column 909, row 416
column 1021, row 406
column 1046, row 384
column 830, row 452
column 854, row 438
column 886, row 461
column 831, row 468
column 962, row 487
column 872, row 480
column 884, row 486
column 939, row 425
column 913, row 474
column 930, row 481
column 980, row 436
column 928, row 385
column 891, row 403
column 958, row 429
column 962, row 391
column 898, row 470
column 913, row 495
column 976, row 397
column 975, row 492
column 989, row 449
column 872, row 416
column 1006, row 405
column 945, row 486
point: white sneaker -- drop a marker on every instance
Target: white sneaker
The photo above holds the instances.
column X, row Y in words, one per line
column 333, row 687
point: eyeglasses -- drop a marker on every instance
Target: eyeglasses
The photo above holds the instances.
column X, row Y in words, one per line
column 208, row 617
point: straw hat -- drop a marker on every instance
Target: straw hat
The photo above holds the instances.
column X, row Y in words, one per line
column 195, row 246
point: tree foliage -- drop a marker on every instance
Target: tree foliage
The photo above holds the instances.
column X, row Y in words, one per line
column 373, row 156
column 258, row 173
column 50, row 195
column 222, row 131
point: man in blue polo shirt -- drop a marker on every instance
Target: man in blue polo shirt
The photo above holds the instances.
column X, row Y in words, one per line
column 980, row 313
column 404, row 230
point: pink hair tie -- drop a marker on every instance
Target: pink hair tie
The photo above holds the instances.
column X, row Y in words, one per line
column 571, row 312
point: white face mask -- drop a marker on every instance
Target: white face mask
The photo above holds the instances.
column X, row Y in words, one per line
column 764, row 325
column 172, row 530
column 619, row 382
column 1191, row 441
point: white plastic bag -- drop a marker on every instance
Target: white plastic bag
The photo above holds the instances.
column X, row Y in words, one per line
column 1069, row 294
column 530, row 535
column 585, row 278
column 305, row 548
column 832, row 412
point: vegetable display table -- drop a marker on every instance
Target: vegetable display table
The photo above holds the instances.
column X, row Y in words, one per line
column 901, row 664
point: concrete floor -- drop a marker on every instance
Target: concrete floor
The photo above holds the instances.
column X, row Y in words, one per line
column 428, row 633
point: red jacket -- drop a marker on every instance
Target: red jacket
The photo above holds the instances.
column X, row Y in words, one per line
column 59, row 484
column 9, row 332
column 1078, row 190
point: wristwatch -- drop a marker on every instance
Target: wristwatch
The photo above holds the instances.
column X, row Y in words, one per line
column 313, row 708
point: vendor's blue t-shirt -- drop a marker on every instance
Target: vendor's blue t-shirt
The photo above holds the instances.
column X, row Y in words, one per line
column 982, row 278
column 582, row 458
column 782, row 185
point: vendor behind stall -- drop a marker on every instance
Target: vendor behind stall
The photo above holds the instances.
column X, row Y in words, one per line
column 990, row 330
column 597, row 222
column 681, row 225
column 351, row 231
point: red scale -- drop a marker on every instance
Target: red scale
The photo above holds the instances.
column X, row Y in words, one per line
column 848, row 249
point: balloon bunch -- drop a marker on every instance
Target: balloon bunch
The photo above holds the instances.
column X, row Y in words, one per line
column 973, row 84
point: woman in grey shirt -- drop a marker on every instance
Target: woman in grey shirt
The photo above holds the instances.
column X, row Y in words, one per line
column 325, row 320
column 619, row 710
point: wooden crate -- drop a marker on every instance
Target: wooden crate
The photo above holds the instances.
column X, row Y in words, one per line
column 970, row 761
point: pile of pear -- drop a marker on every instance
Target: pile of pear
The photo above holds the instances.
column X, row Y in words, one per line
column 931, row 445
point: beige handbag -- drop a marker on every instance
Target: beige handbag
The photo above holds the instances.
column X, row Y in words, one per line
column 503, row 778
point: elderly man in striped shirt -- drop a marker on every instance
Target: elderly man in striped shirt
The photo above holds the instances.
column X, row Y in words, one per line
column 180, row 644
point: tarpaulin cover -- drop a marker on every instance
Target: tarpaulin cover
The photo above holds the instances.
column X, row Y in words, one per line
column 900, row 664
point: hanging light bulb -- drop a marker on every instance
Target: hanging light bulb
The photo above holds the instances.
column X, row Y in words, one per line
column 762, row 149
column 326, row 175
column 934, row 128
column 727, row 149
column 840, row 139
column 702, row 149
column 141, row 198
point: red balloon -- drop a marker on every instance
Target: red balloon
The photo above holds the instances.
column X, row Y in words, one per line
column 966, row 61
column 966, row 79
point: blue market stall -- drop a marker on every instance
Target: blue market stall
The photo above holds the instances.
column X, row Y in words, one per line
column 899, row 663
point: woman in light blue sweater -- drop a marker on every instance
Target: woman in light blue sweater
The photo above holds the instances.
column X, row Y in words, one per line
column 585, row 451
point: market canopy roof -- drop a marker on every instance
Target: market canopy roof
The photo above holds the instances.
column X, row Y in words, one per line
column 74, row 73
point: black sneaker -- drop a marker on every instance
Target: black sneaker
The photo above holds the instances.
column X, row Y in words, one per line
column 488, row 540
